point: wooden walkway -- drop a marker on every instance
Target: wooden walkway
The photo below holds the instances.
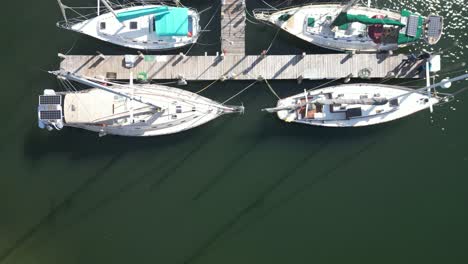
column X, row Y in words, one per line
column 241, row 67
column 233, row 27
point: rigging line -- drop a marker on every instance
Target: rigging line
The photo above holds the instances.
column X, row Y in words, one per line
column 204, row 10
column 208, row 86
column 282, row 3
column 386, row 79
column 79, row 14
column 255, row 23
column 237, row 94
column 271, row 89
column 459, row 91
column 73, row 46
column 207, row 44
column 155, row 83
column 81, row 7
column 440, row 75
column 73, row 91
column 209, row 22
column 65, row 85
column 324, row 84
column 269, row 5
column 252, row 16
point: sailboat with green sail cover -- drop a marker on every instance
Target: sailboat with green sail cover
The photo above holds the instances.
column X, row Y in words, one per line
column 138, row 26
column 353, row 27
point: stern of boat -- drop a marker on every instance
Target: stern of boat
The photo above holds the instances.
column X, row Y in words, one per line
column 50, row 111
column 434, row 29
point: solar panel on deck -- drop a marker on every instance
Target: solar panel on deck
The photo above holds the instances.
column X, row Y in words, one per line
column 50, row 99
column 412, row 27
column 435, row 26
column 50, row 115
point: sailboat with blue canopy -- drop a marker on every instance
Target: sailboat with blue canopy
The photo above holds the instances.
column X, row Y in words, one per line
column 147, row 27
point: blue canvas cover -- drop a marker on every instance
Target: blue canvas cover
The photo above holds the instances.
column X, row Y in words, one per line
column 173, row 22
column 128, row 15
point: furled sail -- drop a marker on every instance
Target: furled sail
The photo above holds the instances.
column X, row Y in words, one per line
column 345, row 18
column 364, row 101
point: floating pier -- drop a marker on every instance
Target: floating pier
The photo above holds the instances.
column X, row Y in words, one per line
column 242, row 67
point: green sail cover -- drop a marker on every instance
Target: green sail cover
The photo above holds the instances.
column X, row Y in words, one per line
column 345, row 18
column 174, row 22
column 128, row 15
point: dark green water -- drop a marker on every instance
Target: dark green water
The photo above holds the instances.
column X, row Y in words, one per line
column 241, row 189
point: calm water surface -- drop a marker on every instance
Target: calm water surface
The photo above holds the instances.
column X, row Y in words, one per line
column 241, row 189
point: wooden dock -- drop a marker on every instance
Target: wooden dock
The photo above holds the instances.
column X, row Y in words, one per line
column 233, row 27
column 242, row 67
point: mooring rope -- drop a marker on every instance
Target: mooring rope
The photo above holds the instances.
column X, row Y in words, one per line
column 237, row 94
column 274, row 39
column 208, row 86
column 271, row 89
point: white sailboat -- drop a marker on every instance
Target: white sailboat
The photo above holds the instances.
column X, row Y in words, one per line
column 357, row 105
column 143, row 27
column 353, row 27
column 126, row 110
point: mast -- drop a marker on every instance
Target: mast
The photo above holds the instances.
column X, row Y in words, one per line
column 442, row 83
column 94, row 83
column 344, row 9
column 98, row 7
column 349, row 5
column 132, row 118
column 62, row 8
column 428, row 83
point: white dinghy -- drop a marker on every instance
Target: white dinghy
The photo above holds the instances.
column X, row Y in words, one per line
column 126, row 110
column 357, row 105
column 353, row 27
column 143, row 27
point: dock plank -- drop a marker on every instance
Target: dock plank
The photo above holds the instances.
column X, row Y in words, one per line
column 274, row 67
column 233, row 27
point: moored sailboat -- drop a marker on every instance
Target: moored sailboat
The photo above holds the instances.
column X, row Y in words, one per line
column 126, row 110
column 144, row 27
column 355, row 28
column 357, row 105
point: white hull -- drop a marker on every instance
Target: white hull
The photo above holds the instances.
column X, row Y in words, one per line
column 323, row 34
column 407, row 103
column 107, row 28
column 110, row 114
